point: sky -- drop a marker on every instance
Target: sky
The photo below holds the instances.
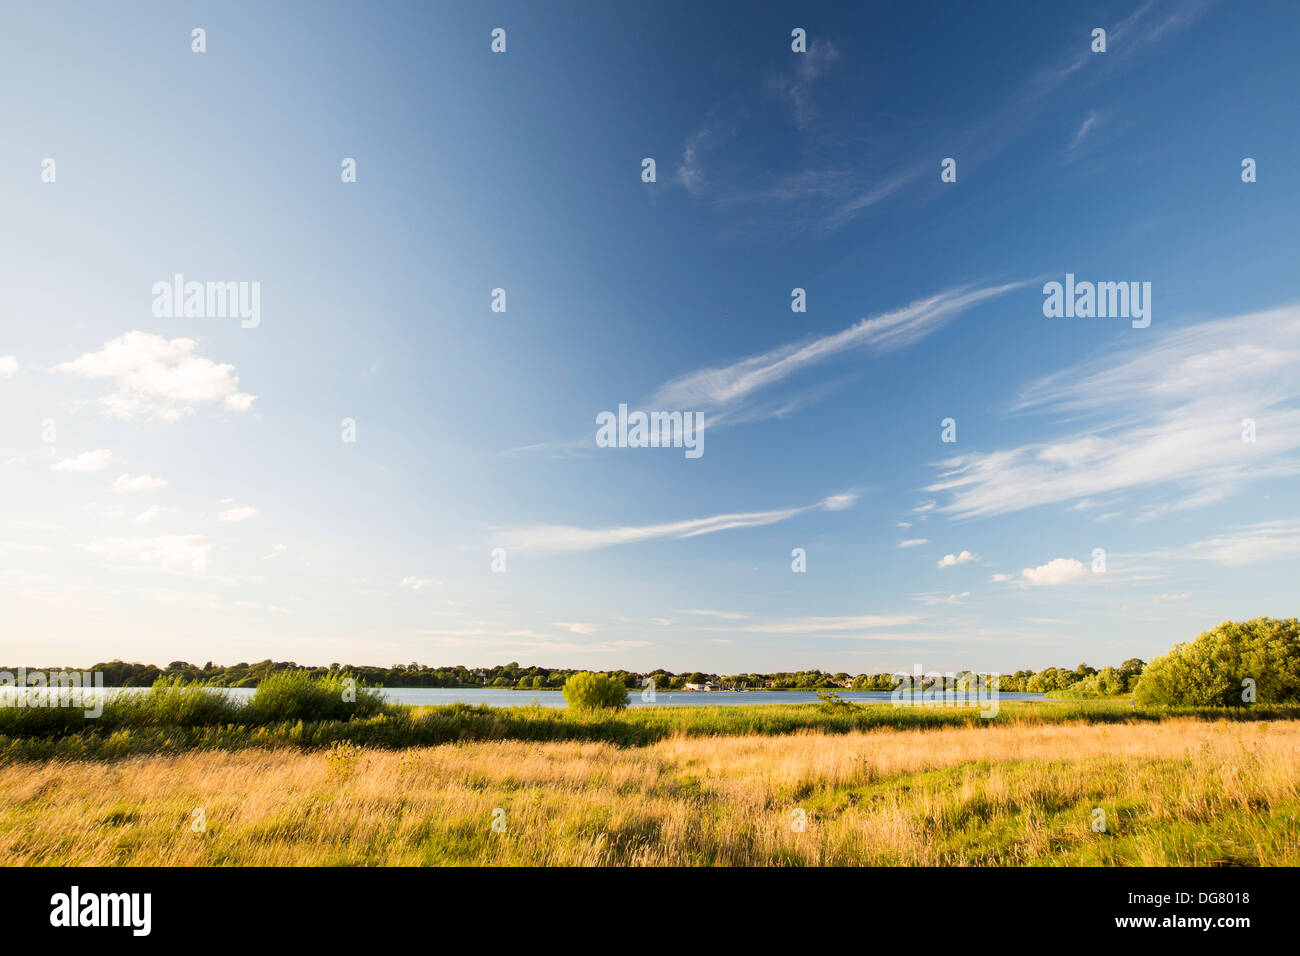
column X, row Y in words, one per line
column 378, row 466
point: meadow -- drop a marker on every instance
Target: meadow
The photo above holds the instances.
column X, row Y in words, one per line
column 1023, row 789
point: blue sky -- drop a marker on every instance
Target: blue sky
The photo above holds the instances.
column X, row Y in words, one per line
column 178, row 488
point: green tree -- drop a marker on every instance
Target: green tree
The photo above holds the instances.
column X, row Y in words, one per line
column 588, row 691
column 1213, row 669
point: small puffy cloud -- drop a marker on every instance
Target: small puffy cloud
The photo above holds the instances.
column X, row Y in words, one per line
column 1056, row 571
column 168, row 551
column 87, row 461
column 130, row 483
column 577, row 627
column 8, row 365
column 240, row 513
column 155, row 377
column 1165, row 598
column 412, row 582
column 912, row 542
column 949, row 560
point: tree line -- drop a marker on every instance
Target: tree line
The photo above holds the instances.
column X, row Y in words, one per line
column 1235, row 663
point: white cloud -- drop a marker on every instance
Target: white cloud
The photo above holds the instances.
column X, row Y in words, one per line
column 796, row 87
column 912, row 542
column 152, row 514
column 726, row 393
column 577, row 627
column 555, row 539
column 154, row 377
column 1167, row 413
column 416, row 584
column 1249, row 544
column 725, row 615
column 1087, row 126
column 949, row 560
column 87, row 461
column 169, row 551
column 8, row 365
column 934, row 597
column 808, row 625
column 129, row 483
column 1056, row 571
column 239, row 513
column 690, row 171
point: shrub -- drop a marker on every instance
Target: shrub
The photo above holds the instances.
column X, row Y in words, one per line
column 296, row 695
column 830, row 702
column 1212, row 669
column 587, row 691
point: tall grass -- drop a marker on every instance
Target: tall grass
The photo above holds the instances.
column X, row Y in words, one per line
column 1180, row 792
column 285, row 720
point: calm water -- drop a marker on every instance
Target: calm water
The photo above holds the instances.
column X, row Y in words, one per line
column 499, row 697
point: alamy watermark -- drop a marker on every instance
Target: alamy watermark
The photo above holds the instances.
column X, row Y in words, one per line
column 950, row 689
column 177, row 299
column 84, row 689
column 651, row 430
column 1101, row 300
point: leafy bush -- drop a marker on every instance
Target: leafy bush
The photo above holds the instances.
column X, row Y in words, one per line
column 830, row 702
column 1212, row 669
column 587, row 691
column 296, row 695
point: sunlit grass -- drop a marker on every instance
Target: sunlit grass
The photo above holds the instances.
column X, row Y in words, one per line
column 1182, row 791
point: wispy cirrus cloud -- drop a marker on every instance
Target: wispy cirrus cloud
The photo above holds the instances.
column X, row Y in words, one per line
column 1168, row 413
column 753, row 389
column 795, row 87
column 731, row 393
column 725, row 615
column 561, row 539
column 817, row 625
column 1248, row 544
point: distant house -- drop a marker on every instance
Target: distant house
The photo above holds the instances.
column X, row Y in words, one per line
column 704, row 686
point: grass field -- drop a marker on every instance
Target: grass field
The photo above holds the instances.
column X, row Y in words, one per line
column 1023, row 790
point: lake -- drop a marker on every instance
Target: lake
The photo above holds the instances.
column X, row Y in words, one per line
column 501, row 697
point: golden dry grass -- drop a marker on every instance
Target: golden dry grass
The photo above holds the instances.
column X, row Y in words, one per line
column 1178, row 792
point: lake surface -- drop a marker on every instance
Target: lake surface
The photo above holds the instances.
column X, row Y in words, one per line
column 501, row 697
